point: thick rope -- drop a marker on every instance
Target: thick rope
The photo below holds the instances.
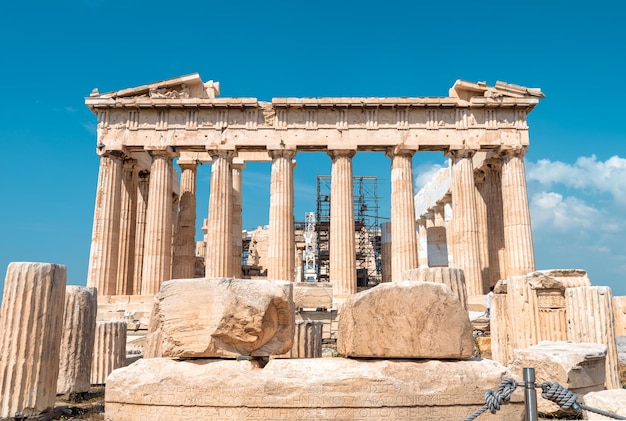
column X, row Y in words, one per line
column 493, row 400
column 561, row 396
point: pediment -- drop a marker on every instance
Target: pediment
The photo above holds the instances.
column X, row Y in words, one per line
column 182, row 87
column 466, row 90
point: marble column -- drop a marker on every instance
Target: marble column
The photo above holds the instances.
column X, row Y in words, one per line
column 237, row 169
column 281, row 259
column 31, row 322
column 482, row 227
column 128, row 228
column 465, row 237
column 157, row 256
column 385, row 242
column 518, row 239
column 185, row 238
column 219, row 252
column 590, row 318
column 143, row 183
column 422, row 238
column 342, row 252
column 109, row 350
column 495, row 226
column 103, row 258
column 79, row 327
column 403, row 229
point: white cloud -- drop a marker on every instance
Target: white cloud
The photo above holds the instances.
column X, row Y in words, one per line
column 425, row 173
column 587, row 174
column 550, row 210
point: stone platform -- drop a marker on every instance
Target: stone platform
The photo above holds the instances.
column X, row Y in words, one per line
column 333, row 388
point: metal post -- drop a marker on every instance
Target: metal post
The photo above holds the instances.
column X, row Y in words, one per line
column 530, row 394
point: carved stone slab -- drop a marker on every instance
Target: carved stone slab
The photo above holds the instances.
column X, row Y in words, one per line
column 305, row 389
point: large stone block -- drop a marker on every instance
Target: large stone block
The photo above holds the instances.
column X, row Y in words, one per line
column 299, row 389
column 313, row 294
column 405, row 320
column 31, row 325
column 221, row 317
column 612, row 400
column 452, row 277
column 79, row 329
column 577, row 366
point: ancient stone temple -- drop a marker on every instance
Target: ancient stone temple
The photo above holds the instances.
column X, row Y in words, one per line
column 144, row 218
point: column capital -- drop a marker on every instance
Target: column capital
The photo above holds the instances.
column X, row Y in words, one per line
column 112, row 153
column 144, row 175
column 479, row 176
column 399, row 150
column 229, row 154
column 336, row 153
column 281, row 153
column 160, row 151
column 493, row 162
column 516, row 151
column 129, row 163
column 460, row 153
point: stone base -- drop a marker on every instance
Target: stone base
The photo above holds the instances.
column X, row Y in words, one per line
column 334, row 388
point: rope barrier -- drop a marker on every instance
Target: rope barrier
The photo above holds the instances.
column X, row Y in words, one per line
column 554, row 392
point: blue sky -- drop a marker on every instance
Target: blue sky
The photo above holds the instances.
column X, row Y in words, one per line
column 54, row 53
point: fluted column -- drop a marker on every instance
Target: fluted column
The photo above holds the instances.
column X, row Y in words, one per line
column 157, row 256
column 142, row 206
column 237, row 220
column 109, row 350
column 403, row 232
column 342, row 253
column 128, row 227
column 422, row 241
column 518, row 239
column 465, row 226
column 79, row 327
column 31, row 325
column 219, row 253
column 590, row 318
column 385, row 242
column 495, row 226
column 482, row 227
column 184, row 241
column 103, row 258
column 281, row 259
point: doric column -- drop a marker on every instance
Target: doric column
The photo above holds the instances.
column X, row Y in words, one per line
column 219, row 253
column 128, row 227
column 184, row 240
column 31, row 322
column 403, row 235
column 495, row 226
column 103, row 259
column 157, row 256
column 109, row 349
column 385, row 242
column 422, row 252
column 281, row 259
column 237, row 220
column 342, row 253
column 76, row 351
column 482, row 227
column 465, row 227
column 518, row 238
column 142, row 206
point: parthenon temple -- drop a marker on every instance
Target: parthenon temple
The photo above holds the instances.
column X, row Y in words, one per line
column 145, row 216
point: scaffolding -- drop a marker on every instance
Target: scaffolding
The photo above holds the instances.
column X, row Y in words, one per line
column 366, row 229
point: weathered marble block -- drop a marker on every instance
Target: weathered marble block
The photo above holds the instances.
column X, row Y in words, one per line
column 221, row 317
column 313, row 294
column 612, row 400
column 405, row 320
column 79, row 328
column 298, row 389
column 577, row 366
column 452, row 277
column 31, row 325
